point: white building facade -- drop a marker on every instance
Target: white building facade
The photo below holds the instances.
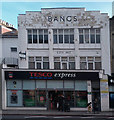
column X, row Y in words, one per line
column 61, row 51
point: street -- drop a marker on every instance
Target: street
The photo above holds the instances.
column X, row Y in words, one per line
column 22, row 117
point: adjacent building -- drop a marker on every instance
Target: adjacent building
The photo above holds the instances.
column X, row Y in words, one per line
column 62, row 51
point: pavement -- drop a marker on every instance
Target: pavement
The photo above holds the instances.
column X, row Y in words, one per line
column 57, row 113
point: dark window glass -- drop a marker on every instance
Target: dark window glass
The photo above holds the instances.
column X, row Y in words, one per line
column 55, row 39
column 31, row 65
column 34, row 38
column 45, row 38
column 71, row 39
column 90, row 66
column 81, row 39
column 92, row 38
column 97, row 38
column 40, row 38
column 38, row 65
column 29, row 38
column 83, row 65
column 66, row 38
column 56, row 65
column 13, row 49
column 71, row 65
column 45, row 65
column 81, row 99
column 97, row 65
column 14, row 99
column 28, row 98
column 60, row 38
column 111, row 98
column 64, row 66
column 41, row 98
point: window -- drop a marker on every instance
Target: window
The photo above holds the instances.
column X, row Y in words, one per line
column 37, row 36
column 63, row 36
column 64, row 63
column 38, row 62
column 89, row 36
column 90, row 63
column 13, row 49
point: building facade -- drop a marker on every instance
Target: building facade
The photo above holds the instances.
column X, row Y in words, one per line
column 62, row 51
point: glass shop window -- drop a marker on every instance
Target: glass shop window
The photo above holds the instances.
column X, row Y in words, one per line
column 41, row 98
column 81, row 99
column 28, row 98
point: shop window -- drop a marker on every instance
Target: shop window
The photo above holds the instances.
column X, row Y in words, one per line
column 29, row 85
column 111, row 98
column 69, row 97
column 41, row 98
column 28, row 98
column 81, row 99
column 81, row 85
column 14, row 99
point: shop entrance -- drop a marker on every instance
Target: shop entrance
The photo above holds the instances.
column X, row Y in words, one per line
column 53, row 96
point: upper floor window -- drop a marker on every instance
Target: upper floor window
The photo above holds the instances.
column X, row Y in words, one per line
column 64, row 63
column 89, row 36
column 13, row 49
column 90, row 63
column 38, row 62
column 37, row 36
column 65, row 36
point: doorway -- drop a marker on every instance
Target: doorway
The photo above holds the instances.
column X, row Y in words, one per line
column 53, row 99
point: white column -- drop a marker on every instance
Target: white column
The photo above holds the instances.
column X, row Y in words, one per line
column 51, row 49
column 104, row 93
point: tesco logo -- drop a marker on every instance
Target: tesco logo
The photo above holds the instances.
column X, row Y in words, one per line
column 40, row 74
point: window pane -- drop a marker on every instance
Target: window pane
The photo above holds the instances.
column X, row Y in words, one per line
column 81, row 99
column 66, row 38
column 29, row 32
column 60, row 38
column 97, row 31
column 90, row 58
column 45, row 65
column 28, row 98
column 83, row 65
column 45, row 38
column 45, row 58
column 31, row 59
column 56, row 58
column 29, row 38
column 97, row 58
column 82, row 58
column 31, row 65
column 45, row 32
column 86, row 35
column 34, row 38
column 40, row 38
column 71, row 58
column 35, row 32
column 90, row 66
column 71, row 38
column 56, row 65
column 64, row 66
column 40, row 32
column 71, row 65
column 13, row 49
column 92, row 37
column 98, row 66
column 38, row 58
column 97, row 38
column 80, row 31
column 38, row 65
column 81, row 39
column 55, row 39
column 41, row 98
column 63, row 58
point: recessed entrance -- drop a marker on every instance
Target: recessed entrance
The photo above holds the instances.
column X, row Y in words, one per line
column 53, row 98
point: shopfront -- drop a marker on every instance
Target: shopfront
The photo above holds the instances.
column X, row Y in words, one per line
column 42, row 89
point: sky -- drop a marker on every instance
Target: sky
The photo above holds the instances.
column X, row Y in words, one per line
column 9, row 10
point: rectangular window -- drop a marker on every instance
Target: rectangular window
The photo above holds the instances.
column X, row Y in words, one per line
column 57, row 65
column 63, row 36
column 31, row 63
column 83, row 63
column 29, row 36
column 92, row 35
column 45, row 36
column 13, row 49
column 28, row 98
column 86, row 35
column 98, row 63
column 40, row 36
column 34, row 36
column 81, row 38
column 55, row 36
